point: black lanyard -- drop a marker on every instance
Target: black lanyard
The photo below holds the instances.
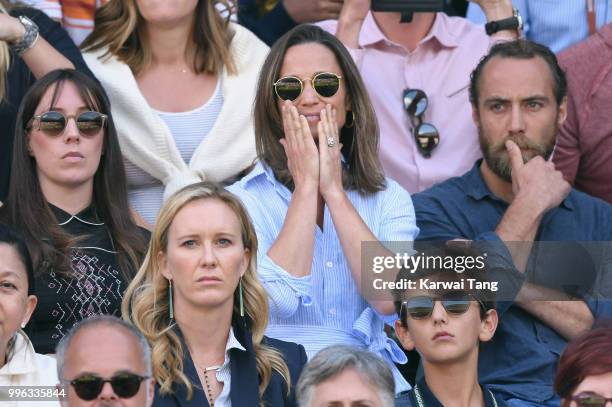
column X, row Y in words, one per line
column 420, row 403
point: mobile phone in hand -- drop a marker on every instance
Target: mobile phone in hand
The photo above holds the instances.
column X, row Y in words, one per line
column 408, row 6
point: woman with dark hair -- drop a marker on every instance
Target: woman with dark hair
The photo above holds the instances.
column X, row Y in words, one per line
column 31, row 45
column 318, row 193
column 68, row 197
column 181, row 80
column 19, row 364
column 199, row 302
column 584, row 372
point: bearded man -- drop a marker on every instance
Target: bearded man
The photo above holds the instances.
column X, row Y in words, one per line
column 513, row 200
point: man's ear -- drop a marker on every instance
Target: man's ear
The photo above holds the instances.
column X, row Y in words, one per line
column 488, row 325
column 562, row 111
column 475, row 114
column 404, row 336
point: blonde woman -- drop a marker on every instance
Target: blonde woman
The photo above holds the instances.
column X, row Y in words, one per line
column 181, row 81
column 199, row 302
column 31, row 45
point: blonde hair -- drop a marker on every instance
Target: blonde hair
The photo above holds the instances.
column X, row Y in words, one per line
column 5, row 60
column 120, row 28
column 145, row 303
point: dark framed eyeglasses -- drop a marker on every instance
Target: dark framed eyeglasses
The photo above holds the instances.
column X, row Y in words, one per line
column 591, row 400
column 425, row 135
column 125, row 385
column 326, row 84
column 54, row 123
column 454, row 302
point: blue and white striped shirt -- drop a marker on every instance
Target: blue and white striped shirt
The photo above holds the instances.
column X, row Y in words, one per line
column 325, row 307
column 554, row 23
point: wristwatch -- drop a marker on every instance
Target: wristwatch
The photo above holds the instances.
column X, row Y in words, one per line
column 511, row 23
column 29, row 37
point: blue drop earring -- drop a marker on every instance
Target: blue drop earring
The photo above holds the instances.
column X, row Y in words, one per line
column 240, row 297
column 170, row 302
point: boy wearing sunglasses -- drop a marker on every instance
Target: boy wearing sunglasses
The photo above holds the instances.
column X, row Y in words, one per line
column 446, row 326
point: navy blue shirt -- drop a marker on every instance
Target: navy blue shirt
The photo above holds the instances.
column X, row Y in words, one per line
column 520, row 361
column 269, row 26
column 428, row 399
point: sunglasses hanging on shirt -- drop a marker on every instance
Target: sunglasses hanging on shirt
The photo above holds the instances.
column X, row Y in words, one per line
column 425, row 135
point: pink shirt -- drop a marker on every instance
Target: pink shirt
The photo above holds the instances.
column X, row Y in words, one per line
column 584, row 145
column 440, row 66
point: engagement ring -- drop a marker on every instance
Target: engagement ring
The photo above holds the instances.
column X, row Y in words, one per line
column 331, row 142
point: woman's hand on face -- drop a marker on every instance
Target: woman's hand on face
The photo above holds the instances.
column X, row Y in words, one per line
column 300, row 148
column 11, row 29
column 330, row 172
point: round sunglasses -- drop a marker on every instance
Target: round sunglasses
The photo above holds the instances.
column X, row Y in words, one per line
column 426, row 135
column 125, row 385
column 54, row 123
column 454, row 303
column 326, row 84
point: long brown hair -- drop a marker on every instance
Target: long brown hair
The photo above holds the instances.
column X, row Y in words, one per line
column 119, row 27
column 360, row 141
column 145, row 303
column 26, row 207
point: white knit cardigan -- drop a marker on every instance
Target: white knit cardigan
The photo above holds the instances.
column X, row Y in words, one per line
column 146, row 140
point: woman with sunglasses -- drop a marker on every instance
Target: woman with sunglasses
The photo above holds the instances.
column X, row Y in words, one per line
column 446, row 328
column 31, row 45
column 19, row 364
column 318, row 193
column 68, row 198
column 181, row 80
column 199, row 302
column 584, row 372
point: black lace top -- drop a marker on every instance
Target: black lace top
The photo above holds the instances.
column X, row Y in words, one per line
column 96, row 286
